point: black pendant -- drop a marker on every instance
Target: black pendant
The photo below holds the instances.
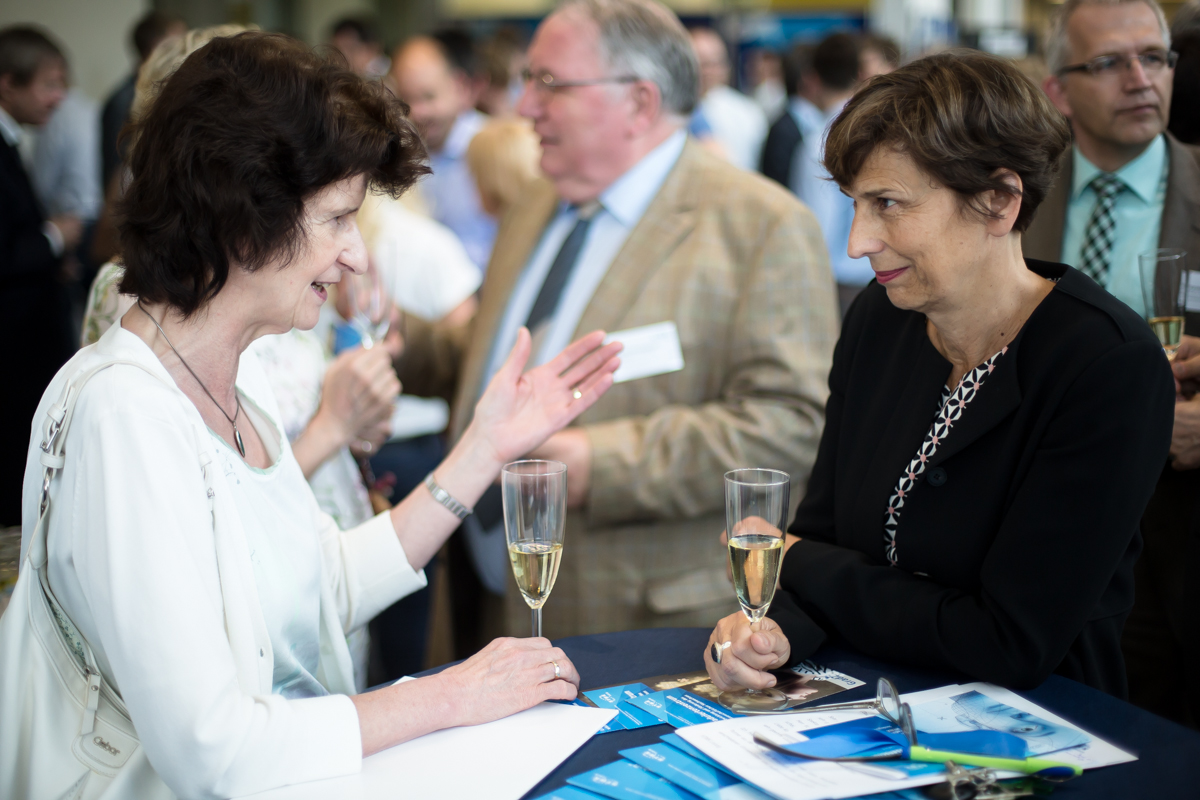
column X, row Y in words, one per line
column 237, row 437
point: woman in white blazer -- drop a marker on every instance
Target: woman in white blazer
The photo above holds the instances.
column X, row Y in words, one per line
column 185, row 544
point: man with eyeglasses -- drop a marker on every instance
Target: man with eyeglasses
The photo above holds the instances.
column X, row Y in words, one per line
column 635, row 226
column 1129, row 187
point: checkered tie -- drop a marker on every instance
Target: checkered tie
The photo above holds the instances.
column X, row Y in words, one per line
column 1101, row 228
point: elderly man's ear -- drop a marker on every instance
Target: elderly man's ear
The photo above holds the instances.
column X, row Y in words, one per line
column 1003, row 207
column 647, row 106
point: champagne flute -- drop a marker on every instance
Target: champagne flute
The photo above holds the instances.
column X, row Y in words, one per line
column 1164, row 289
column 535, row 509
column 370, row 304
column 756, row 511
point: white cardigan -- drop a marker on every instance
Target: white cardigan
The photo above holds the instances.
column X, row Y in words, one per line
column 159, row 580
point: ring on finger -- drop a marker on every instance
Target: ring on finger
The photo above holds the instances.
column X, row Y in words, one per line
column 557, row 671
column 578, row 395
column 718, row 649
column 365, row 446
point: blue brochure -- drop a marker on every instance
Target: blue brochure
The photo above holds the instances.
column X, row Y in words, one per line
column 685, row 708
column 692, row 774
column 624, row 780
column 654, row 703
column 876, row 736
column 630, row 717
column 569, row 793
column 679, row 743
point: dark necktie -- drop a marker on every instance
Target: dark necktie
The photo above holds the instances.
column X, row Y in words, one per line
column 560, row 271
column 1101, row 230
column 490, row 509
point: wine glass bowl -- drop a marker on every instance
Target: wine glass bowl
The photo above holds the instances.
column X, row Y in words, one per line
column 1165, row 286
column 534, row 495
column 370, row 304
column 756, row 514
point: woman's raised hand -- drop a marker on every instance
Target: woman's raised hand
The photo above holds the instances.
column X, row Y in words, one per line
column 521, row 409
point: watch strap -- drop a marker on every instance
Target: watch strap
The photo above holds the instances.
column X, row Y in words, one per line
column 445, row 498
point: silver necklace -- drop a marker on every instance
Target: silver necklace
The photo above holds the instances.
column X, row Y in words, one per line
column 237, row 435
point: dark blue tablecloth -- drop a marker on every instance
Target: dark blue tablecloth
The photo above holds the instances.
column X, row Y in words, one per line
column 1168, row 753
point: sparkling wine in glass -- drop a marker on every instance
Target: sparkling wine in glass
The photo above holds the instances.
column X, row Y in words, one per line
column 535, row 511
column 756, row 511
column 370, row 304
column 1164, row 290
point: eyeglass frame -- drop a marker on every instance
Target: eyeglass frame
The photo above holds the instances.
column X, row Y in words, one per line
column 1170, row 59
column 544, row 81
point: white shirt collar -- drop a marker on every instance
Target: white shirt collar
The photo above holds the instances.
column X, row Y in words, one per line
column 9, row 128
column 628, row 196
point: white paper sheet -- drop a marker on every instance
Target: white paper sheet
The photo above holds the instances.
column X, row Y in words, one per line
column 501, row 760
column 731, row 743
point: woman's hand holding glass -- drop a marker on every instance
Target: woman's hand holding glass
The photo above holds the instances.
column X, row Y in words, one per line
column 751, row 652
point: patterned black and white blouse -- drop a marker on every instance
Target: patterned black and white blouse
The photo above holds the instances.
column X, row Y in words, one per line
column 953, row 403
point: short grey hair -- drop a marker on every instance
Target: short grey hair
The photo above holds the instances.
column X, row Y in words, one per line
column 1058, row 49
column 645, row 39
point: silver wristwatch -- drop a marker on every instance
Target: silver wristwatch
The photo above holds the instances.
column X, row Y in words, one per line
column 445, row 498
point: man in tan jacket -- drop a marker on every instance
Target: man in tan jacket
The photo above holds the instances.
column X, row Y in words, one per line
column 635, row 226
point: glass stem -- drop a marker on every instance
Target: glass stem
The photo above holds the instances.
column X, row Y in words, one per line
column 537, row 622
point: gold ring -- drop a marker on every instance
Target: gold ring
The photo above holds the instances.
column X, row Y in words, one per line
column 577, row 394
column 557, row 673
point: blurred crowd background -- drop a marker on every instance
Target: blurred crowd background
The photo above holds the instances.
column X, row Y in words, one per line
column 774, row 73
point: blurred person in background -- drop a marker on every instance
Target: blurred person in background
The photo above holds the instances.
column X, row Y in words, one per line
column 736, row 122
column 503, row 158
column 637, row 225
column 435, row 76
column 1128, row 187
column 357, row 39
column 34, row 308
column 1185, row 91
column 65, row 170
column 765, row 68
column 152, row 28
column 503, row 57
column 878, row 55
column 836, row 64
column 784, row 146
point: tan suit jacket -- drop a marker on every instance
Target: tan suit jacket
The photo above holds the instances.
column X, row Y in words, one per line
column 740, row 266
column 1180, row 219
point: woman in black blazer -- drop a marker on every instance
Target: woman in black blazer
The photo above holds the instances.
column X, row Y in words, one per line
column 995, row 426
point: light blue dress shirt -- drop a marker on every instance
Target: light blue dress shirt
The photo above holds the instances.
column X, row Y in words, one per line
column 811, row 183
column 622, row 206
column 452, row 194
column 1138, row 213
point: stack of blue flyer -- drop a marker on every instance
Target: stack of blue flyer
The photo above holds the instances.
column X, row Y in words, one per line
column 670, row 770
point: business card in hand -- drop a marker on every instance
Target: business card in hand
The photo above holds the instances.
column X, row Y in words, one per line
column 648, row 350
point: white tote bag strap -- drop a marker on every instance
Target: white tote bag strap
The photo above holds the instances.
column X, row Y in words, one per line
column 58, row 422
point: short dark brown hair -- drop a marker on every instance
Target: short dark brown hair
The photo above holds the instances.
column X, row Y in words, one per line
column 960, row 116
column 241, row 135
column 23, row 51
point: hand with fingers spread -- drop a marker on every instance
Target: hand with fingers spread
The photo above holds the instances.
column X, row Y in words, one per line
column 507, row 676
column 520, row 410
column 749, row 653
